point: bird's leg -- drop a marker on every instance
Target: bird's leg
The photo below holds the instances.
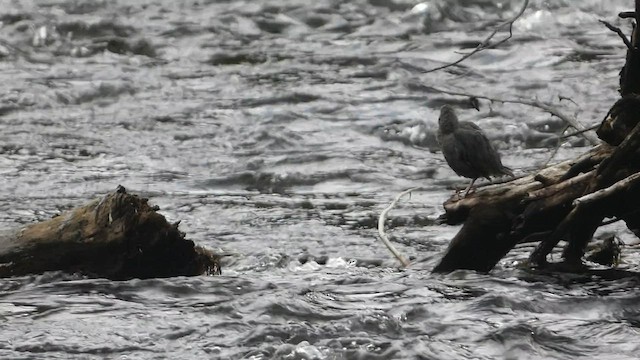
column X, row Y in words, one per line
column 469, row 187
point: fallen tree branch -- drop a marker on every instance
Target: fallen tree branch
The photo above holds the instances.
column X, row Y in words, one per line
column 585, row 217
column 526, row 209
column 564, row 202
column 383, row 235
column 558, row 187
column 573, row 225
column 485, row 43
column 603, row 193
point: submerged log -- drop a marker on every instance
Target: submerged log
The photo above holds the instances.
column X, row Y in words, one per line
column 119, row 236
column 497, row 217
column 567, row 201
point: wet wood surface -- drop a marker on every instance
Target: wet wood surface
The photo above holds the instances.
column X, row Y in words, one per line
column 118, row 236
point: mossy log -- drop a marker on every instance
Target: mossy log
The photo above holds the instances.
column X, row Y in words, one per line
column 119, row 236
column 567, row 201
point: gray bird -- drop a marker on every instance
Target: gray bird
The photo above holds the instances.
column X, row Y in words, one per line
column 467, row 149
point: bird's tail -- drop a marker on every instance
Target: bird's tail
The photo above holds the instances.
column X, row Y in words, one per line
column 506, row 171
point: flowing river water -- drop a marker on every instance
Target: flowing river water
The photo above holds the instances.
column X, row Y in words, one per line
column 277, row 131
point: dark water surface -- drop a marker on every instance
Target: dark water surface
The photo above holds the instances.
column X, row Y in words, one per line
column 277, row 131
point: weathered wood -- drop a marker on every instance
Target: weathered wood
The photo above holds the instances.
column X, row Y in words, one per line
column 630, row 73
column 610, row 191
column 496, row 217
column 483, row 240
column 118, row 236
column 567, row 201
column 620, row 120
column 521, row 191
column 551, row 205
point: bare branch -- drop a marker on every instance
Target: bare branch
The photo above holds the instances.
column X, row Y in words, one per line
column 555, row 149
column 564, row 137
column 383, row 235
column 573, row 122
column 619, row 32
column 558, row 187
column 485, row 43
column 579, row 132
column 560, row 97
column 603, row 193
column 627, row 15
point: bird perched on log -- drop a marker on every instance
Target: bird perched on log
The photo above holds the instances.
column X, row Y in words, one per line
column 467, row 149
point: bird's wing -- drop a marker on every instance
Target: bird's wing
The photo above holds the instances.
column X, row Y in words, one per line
column 467, row 125
column 456, row 158
column 476, row 150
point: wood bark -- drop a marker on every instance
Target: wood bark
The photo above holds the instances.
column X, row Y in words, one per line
column 119, row 236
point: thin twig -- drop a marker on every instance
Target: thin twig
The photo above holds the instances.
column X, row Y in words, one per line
column 579, row 132
column 619, row 32
column 535, row 103
column 383, row 235
column 564, row 137
column 560, row 97
column 555, row 149
column 485, row 44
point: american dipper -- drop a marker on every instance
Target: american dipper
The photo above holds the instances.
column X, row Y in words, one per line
column 467, row 149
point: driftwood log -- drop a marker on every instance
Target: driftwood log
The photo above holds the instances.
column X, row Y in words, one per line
column 119, row 236
column 567, row 201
